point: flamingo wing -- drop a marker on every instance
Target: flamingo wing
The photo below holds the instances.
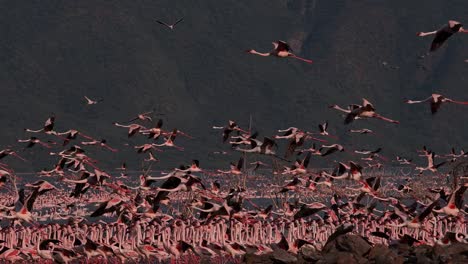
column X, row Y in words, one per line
column 283, row 46
column 178, row 21
column 162, row 23
column 441, row 36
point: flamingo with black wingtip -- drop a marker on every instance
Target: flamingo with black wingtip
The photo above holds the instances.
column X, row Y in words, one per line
column 281, row 50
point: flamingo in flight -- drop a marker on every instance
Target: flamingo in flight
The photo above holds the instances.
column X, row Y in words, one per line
column 331, row 149
column 92, row 102
column 366, row 110
column 7, row 152
column 235, row 168
column 361, row 131
column 72, row 134
column 442, row 34
column 142, row 117
column 227, row 130
column 281, row 49
column 101, row 143
column 33, row 141
column 454, row 203
column 430, row 163
column 132, row 128
column 170, row 26
column 170, row 141
column 48, row 127
column 436, row 101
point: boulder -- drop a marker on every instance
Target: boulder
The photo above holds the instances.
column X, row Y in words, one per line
column 350, row 243
column 383, row 255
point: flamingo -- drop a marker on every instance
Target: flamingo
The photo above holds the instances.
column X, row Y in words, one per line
column 170, row 26
column 72, row 134
column 92, row 102
column 146, row 147
column 430, row 164
column 170, row 141
column 151, row 157
column 331, row 149
column 361, row 131
column 366, row 110
column 132, row 128
column 227, row 130
column 7, row 152
column 258, row 164
column 300, row 166
column 436, row 101
column 153, row 132
column 33, row 141
column 235, row 168
column 442, row 34
column 48, row 127
column 101, row 143
column 281, row 50
column 353, row 171
column 142, row 117
column 403, row 161
column 455, row 202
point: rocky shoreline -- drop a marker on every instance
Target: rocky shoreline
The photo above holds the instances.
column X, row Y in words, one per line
column 350, row 249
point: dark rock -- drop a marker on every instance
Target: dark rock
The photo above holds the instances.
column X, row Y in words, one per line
column 310, row 254
column 382, row 254
column 353, row 244
column 282, row 257
column 455, row 253
column 278, row 256
column 257, row 259
column 423, row 254
column 341, row 258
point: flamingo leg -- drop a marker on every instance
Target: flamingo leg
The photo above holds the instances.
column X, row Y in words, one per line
column 111, row 149
column 458, row 102
column 299, row 58
column 385, row 119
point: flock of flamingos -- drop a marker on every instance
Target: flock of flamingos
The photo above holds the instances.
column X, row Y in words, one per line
column 77, row 211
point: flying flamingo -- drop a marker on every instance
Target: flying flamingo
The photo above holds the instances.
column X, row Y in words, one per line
column 331, row 149
column 101, row 143
column 257, row 165
column 170, row 141
column 33, row 141
column 92, row 102
column 430, row 164
column 142, row 117
column 442, row 34
column 145, row 147
column 72, row 134
column 361, row 131
column 170, row 26
column 281, row 49
column 454, row 203
column 235, row 168
column 323, row 129
column 436, row 101
column 366, row 110
column 153, row 132
column 7, row 152
column 48, row 127
column 229, row 128
column 151, row 157
column 132, row 128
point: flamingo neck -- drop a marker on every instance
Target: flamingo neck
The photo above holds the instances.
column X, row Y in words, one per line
column 423, row 34
column 266, row 54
